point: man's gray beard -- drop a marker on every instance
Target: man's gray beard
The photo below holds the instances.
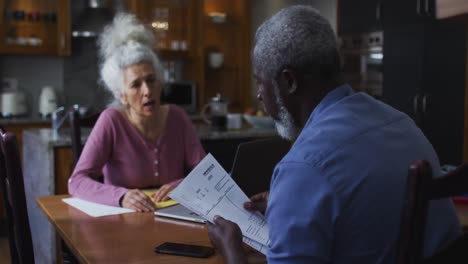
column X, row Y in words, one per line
column 285, row 125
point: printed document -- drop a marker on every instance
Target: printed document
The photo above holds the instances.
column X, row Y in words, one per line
column 209, row 190
column 95, row 209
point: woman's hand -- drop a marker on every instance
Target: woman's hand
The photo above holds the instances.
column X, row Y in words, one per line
column 138, row 200
column 161, row 194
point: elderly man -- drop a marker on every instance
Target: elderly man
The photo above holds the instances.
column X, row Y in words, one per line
column 337, row 196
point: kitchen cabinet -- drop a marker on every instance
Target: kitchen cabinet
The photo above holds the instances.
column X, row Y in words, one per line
column 359, row 16
column 171, row 22
column 190, row 30
column 30, row 27
column 450, row 8
column 401, row 13
column 410, row 11
column 425, row 73
column 232, row 39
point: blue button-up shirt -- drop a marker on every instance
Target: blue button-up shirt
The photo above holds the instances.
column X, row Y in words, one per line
column 337, row 196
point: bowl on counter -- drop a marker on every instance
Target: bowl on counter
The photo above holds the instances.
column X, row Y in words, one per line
column 265, row 122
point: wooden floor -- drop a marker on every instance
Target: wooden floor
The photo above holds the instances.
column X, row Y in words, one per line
column 4, row 251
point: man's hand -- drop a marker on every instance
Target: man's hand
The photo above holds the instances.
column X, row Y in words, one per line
column 161, row 194
column 138, row 200
column 226, row 236
column 258, row 202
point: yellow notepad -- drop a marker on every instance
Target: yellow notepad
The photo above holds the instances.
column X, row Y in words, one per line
column 159, row 205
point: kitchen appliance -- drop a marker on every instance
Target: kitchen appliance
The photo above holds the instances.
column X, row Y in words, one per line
column 218, row 110
column 13, row 103
column 363, row 61
column 181, row 93
column 47, row 101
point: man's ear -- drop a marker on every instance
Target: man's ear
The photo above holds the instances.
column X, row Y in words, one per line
column 290, row 77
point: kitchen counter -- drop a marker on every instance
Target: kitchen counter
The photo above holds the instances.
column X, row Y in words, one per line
column 24, row 121
column 29, row 120
column 204, row 132
column 44, row 152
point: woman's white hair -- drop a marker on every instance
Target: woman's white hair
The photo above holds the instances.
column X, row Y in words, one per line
column 124, row 42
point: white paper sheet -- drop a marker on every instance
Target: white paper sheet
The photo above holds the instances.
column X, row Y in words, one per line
column 95, row 209
column 209, row 190
column 254, row 244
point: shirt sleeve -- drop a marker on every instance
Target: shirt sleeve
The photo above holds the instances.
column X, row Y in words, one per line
column 302, row 212
column 96, row 152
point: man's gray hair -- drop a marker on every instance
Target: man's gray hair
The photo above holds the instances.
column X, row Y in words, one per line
column 298, row 38
column 125, row 42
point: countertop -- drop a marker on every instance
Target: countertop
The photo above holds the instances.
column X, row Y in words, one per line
column 46, row 136
column 24, row 121
column 29, row 120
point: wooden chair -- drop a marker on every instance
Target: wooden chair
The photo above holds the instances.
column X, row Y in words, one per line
column 11, row 182
column 421, row 188
column 76, row 123
column 253, row 174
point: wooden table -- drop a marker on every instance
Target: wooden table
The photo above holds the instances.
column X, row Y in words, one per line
column 131, row 238
column 124, row 238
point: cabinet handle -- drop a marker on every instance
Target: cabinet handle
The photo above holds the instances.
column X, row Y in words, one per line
column 378, row 10
column 426, row 7
column 62, row 41
column 415, row 104
column 418, row 7
column 424, row 103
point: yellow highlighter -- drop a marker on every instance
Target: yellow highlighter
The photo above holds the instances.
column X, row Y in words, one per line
column 159, row 205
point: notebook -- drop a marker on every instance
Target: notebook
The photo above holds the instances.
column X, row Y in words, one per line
column 180, row 212
column 255, row 161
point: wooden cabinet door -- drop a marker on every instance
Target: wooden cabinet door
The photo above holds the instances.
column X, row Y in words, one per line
column 424, row 76
column 396, row 13
column 403, row 68
column 443, row 98
column 35, row 27
column 171, row 22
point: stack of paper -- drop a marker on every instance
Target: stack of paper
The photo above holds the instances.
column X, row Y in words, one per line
column 209, row 190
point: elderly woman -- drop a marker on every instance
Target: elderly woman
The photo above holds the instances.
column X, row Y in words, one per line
column 138, row 143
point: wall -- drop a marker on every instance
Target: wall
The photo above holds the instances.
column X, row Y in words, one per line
column 263, row 9
column 33, row 73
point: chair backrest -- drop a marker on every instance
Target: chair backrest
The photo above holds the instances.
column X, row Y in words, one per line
column 21, row 247
column 76, row 123
column 421, row 188
column 255, row 161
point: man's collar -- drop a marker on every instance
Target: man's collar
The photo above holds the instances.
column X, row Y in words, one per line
column 332, row 97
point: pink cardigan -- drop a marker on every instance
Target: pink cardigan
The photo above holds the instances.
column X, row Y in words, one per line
column 116, row 150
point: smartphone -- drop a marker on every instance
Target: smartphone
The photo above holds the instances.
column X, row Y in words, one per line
column 184, row 250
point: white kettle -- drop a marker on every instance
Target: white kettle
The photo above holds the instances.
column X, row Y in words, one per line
column 47, row 101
